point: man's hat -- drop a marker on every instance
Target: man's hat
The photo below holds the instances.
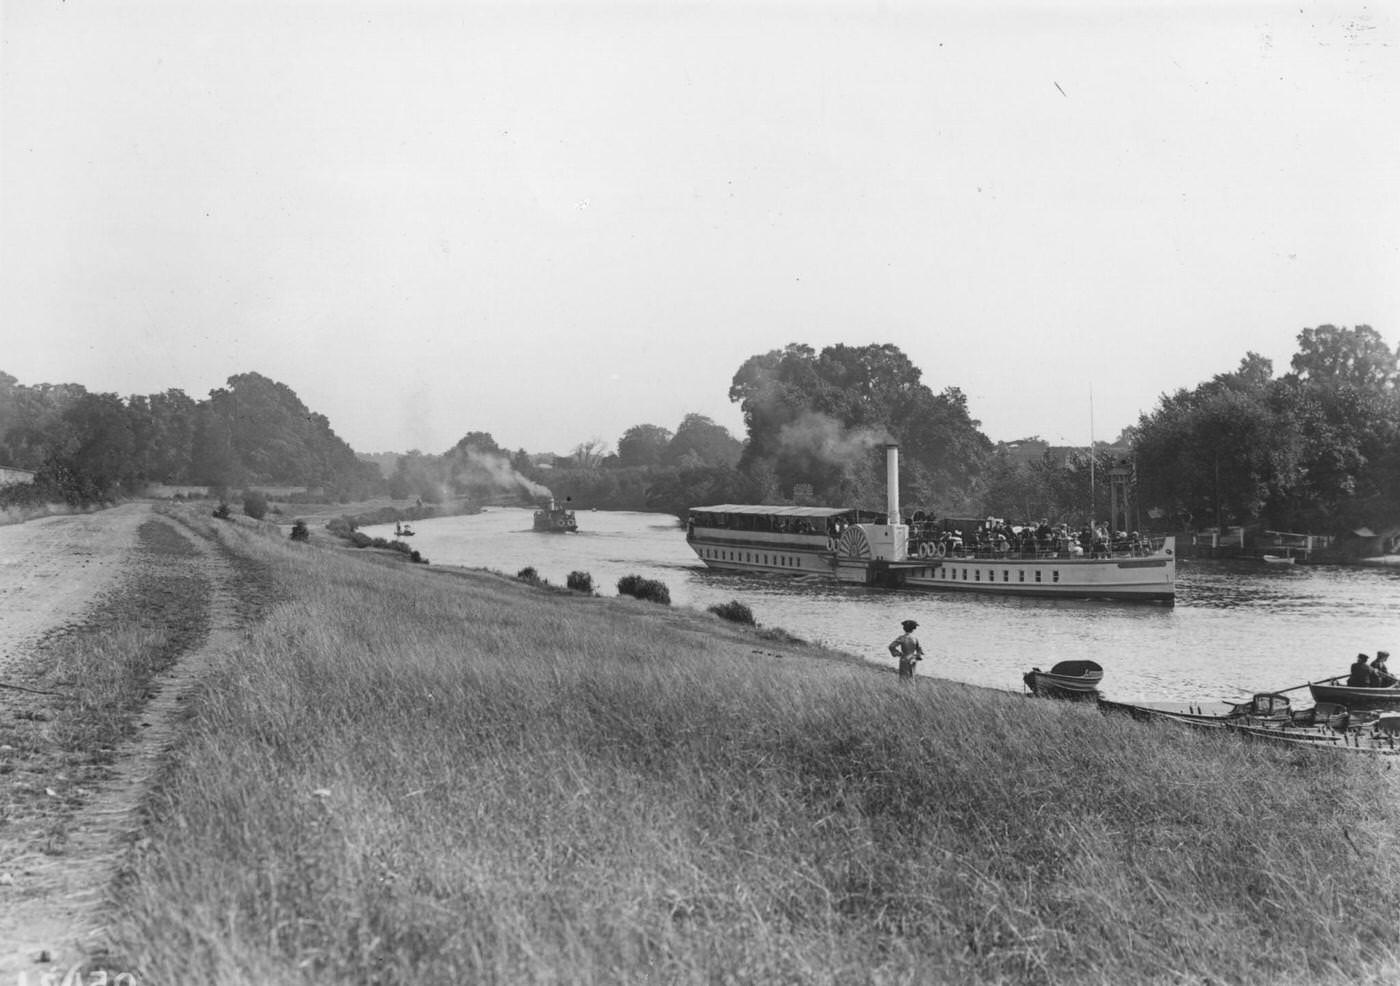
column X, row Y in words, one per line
column 909, row 625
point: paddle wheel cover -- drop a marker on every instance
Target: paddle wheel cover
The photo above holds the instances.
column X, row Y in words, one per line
column 853, row 544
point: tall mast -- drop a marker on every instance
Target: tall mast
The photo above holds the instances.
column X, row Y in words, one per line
column 1093, row 510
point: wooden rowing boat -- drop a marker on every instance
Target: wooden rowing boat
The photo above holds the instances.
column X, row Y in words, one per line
column 1354, row 697
column 1067, row 679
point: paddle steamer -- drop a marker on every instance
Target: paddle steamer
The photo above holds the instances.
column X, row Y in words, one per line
column 866, row 548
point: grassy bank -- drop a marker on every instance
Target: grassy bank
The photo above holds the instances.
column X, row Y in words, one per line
column 410, row 777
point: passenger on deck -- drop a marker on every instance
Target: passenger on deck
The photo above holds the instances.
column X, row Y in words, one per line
column 1361, row 674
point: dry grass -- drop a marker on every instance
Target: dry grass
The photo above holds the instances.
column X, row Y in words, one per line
column 406, row 778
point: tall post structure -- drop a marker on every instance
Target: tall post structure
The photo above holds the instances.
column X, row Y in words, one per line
column 1118, row 475
column 892, row 484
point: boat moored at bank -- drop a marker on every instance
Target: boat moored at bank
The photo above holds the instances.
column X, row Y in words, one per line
column 1066, row 679
column 1337, row 691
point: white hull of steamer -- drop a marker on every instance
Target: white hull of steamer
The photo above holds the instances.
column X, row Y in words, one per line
column 846, row 545
column 1149, row 578
column 1142, row 578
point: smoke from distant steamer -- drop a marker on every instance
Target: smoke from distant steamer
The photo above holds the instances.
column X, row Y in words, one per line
column 473, row 467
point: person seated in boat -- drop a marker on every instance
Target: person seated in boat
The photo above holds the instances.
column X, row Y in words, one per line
column 1361, row 674
column 1384, row 679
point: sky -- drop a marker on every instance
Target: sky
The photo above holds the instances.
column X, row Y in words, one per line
column 554, row 221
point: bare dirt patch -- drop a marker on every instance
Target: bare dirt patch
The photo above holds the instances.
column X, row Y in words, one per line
column 51, row 570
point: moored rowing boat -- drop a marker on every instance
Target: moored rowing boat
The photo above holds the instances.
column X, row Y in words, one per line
column 1354, row 697
column 1067, row 679
column 1293, row 728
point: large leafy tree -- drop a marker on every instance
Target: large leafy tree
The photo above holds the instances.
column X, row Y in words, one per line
column 642, row 445
column 700, row 442
column 1343, row 385
column 819, row 421
column 1218, row 455
column 1345, row 356
column 1318, row 449
column 31, row 421
column 96, row 450
column 258, row 430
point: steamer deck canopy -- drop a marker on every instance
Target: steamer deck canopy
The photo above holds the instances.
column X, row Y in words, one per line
column 756, row 517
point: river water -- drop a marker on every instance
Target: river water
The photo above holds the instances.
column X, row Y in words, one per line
column 1236, row 628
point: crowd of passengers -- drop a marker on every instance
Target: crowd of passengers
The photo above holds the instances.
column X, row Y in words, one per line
column 997, row 539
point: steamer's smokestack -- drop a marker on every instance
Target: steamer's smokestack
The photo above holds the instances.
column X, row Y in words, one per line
column 892, row 483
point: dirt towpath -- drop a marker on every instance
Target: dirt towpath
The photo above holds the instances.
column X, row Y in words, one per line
column 51, row 570
column 67, row 816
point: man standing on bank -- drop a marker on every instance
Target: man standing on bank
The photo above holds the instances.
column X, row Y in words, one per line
column 907, row 648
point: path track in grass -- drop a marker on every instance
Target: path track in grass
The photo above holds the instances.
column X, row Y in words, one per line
column 68, row 816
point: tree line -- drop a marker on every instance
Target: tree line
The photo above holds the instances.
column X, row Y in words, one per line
column 1315, row 449
column 86, row 447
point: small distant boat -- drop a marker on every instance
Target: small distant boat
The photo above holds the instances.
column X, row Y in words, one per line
column 1067, row 679
column 403, row 530
column 555, row 519
column 1277, row 559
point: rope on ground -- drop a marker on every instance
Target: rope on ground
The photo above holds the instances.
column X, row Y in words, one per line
column 33, row 691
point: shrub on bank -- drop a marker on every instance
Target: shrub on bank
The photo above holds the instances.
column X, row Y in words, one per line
column 734, row 612
column 299, row 531
column 648, row 589
column 529, row 575
column 580, row 582
column 341, row 527
column 255, row 504
column 779, row 635
column 222, row 511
